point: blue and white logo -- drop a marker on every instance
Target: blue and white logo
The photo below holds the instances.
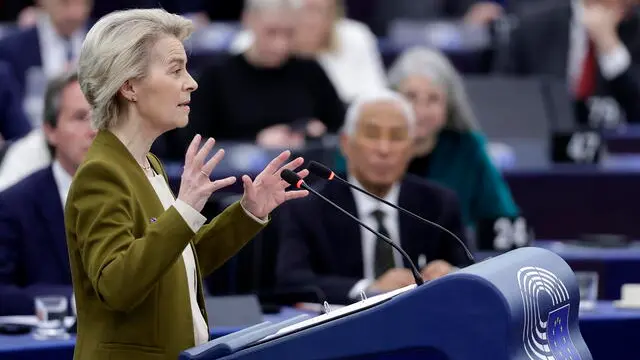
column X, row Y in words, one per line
column 545, row 334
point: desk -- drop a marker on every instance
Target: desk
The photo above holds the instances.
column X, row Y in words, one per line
column 615, row 267
column 610, row 333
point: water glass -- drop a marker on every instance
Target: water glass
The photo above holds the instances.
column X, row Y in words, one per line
column 51, row 312
column 588, row 286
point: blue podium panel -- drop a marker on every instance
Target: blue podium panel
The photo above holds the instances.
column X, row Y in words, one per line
column 519, row 305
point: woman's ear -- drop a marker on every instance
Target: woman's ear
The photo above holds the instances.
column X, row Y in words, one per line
column 128, row 91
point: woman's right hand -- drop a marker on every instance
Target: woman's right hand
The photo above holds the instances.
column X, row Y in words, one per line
column 196, row 186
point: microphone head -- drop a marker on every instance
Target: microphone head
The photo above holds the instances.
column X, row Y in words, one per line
column 291, row 178
column 320, row 170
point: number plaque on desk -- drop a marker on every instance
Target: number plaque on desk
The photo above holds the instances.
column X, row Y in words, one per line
column 578, row 147
column 503, row 234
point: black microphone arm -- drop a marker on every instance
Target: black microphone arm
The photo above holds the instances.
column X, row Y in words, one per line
column 294, row 180
column 326, row 173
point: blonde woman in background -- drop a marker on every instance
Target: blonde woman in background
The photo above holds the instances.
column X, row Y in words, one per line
column 346, row 49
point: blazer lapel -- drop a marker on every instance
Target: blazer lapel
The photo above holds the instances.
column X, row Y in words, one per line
column 51, row 213
column 345, row 237
column 151, row 202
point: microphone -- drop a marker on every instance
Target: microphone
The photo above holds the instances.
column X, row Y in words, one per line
column 296, row 181
column 326, row 173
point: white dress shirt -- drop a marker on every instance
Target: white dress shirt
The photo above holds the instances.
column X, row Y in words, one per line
column 53, row 47
column 365, row 206
column 63, row 181
column 611, row 64
column 195, row 220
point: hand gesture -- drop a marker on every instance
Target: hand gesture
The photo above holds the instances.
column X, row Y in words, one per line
column 195, row 185
column 267, row 191
column 601, row 19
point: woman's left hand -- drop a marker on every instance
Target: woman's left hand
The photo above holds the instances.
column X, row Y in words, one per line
column 267, row 190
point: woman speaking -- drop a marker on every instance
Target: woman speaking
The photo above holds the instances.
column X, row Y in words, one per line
column 137, row 254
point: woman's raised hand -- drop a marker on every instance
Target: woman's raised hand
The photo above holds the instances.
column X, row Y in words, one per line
column 267, row 190
column 195, row 185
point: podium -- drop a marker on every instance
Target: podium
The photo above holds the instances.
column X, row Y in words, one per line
column 520, row 305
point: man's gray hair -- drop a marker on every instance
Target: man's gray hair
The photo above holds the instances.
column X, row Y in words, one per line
column 53, row 94
column 434, row 65
column 272, row 4
column 382, row 95
column 117, row 49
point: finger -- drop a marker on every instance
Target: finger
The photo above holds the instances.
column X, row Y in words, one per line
column 248, row 185
column 213, row 162
column 202, row 154
column 221, row 183
column 191, row 150
column 273, row 166
column 292, row 165
column 297, row 194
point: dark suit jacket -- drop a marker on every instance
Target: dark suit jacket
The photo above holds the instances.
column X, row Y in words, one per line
column 14, row 123
column 125, row 257
column 321, row 247
column 21, row 50
column 540, row 46
column 33, row 250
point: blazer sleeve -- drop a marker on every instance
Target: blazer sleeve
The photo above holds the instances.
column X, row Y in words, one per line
column 223, row 237
column 122, row 268
column 296, row 259
column 491, row 197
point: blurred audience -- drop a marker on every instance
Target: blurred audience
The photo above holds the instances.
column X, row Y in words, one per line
column 265, row 94
column 591, row 43
column 23, row 157
column 346, row 49
column 33, row 248
column 449, row 147
column 52, row 45
column 325, row 249
column 385, row 12
column 14, row 123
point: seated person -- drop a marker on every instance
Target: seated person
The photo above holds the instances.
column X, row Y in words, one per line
column 321, row 247
column 33, row 250
column 346, row 49
column 448, row 147
column 592, row 44
column 51, row 45
column 14, row 123
column 264, row 94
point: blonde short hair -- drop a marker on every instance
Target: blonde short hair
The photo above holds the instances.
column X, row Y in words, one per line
column 116, row 49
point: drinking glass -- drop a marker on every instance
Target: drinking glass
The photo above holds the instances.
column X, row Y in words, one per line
column 51, row 311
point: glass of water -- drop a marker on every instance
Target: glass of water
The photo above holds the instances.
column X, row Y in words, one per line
column 51, row 312
column 588, row 286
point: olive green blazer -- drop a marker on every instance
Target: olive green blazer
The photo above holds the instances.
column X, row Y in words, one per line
column 125, row 253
